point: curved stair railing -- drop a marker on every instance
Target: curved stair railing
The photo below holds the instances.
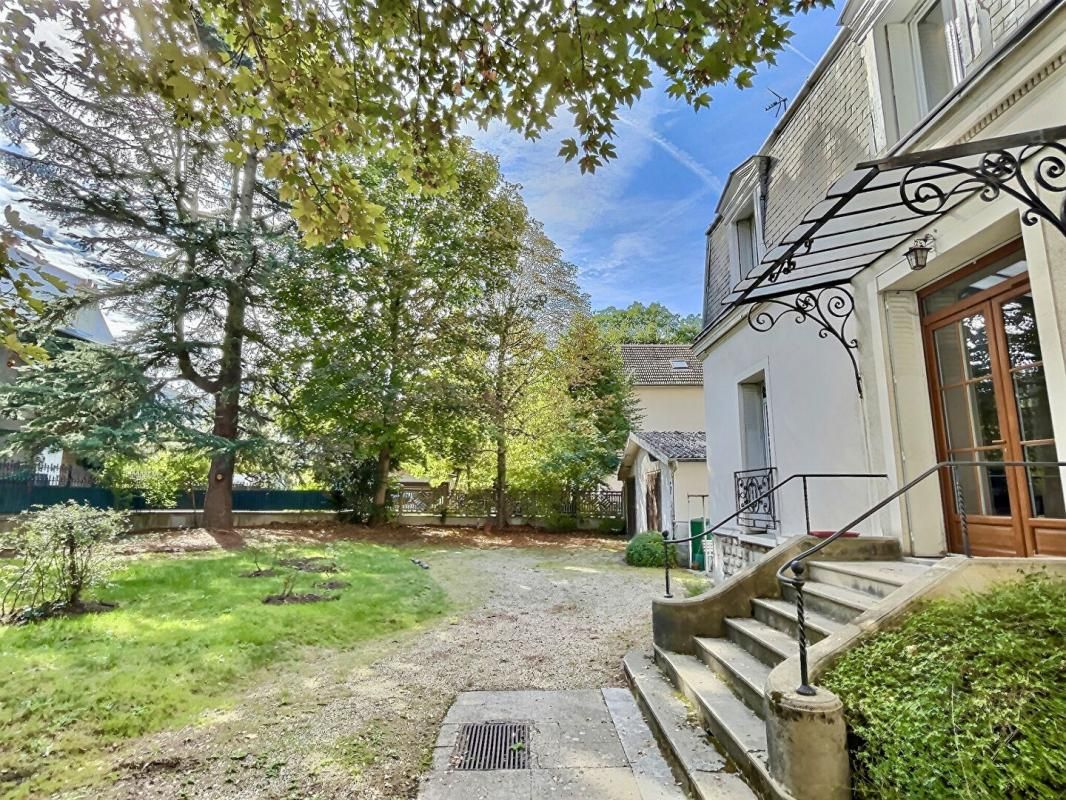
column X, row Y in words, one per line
column 805, row 477
column 798, row 568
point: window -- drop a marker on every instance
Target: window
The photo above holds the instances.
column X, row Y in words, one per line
column 678, row 363
column 924, row 48
column 747, row 254
column 936, row 45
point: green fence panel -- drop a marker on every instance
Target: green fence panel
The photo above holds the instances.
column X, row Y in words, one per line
column 16, row 497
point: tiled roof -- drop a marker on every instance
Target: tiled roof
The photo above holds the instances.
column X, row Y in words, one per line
column 651, row 365
column 682, row 445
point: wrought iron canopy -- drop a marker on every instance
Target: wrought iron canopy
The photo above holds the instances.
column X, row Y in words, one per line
column 881, row 204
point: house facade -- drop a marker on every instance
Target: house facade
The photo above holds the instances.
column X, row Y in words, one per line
column 885, row 290
column 87, row 324
column 663, row 473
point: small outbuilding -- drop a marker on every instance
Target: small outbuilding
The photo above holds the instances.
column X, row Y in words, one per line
column 664, row 475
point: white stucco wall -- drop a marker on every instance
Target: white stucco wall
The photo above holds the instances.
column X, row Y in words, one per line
column 815, row 422
column 670, row 408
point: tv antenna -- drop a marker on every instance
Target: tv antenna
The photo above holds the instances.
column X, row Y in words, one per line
column 779, row 105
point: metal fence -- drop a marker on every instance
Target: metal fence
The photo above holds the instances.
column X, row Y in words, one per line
column 440, row 501
column 23, row 485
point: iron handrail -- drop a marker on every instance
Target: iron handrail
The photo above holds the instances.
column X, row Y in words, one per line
column 797, row 567
column 806, row 510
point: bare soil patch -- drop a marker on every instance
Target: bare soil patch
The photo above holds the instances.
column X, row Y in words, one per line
column 319, row 565
column 309, row 597
column 191, row 540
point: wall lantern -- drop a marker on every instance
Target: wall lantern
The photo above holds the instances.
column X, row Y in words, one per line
column 918, row 253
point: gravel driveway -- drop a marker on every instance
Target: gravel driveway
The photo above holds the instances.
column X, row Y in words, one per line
column 361, row 723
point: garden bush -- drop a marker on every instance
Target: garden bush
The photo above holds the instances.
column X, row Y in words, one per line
column 964, row 699
column 646, row 550
column 61, row 552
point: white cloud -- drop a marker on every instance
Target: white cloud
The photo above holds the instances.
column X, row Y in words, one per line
column 614, row 224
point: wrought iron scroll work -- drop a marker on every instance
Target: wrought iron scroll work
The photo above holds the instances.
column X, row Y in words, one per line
column 1020, row 175
column 830, row 308
column 751, row 485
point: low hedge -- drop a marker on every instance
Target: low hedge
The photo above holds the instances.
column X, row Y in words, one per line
column 646, row 550
column 966, row 698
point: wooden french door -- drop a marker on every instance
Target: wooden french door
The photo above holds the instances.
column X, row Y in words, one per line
column 990, row 404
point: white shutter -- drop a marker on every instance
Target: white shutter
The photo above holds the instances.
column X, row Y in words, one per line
column 904, row 77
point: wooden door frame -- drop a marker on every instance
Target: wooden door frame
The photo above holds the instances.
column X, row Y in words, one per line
column 987, row 303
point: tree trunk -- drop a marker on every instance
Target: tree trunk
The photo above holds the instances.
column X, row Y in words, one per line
column 381, row 486
column 218, row 502
column 501, row 432
column 501, row 480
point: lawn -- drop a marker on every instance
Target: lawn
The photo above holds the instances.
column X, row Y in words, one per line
column 188, row 633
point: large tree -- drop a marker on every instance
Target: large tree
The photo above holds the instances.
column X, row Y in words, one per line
column 524, row 318
column 388, row 337
column 648, row 324
column 187, row 241
column 596, row 409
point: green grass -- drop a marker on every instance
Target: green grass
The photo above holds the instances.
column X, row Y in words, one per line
column 188, row 634
column 965, row 699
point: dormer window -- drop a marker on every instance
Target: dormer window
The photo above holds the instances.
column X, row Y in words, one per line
column 747, row 253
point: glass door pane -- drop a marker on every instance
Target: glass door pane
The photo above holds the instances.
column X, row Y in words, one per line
column 1032, row 406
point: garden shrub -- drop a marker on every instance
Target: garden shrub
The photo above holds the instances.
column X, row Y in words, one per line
column 966, row 698
column 646, row 550
column 61, row 552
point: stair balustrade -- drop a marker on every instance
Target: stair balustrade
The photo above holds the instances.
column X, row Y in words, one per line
column 803, row 477
column 798, row 568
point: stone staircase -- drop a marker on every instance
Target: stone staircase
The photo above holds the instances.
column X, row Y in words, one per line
column 724, row 678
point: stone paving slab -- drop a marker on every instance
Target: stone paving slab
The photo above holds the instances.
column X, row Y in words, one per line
column 583, row 745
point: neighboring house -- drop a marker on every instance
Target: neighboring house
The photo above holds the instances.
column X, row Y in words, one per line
column 668, row 382
column 927, row 135
column 87, row 325
column 663, row 470
column 663, row 473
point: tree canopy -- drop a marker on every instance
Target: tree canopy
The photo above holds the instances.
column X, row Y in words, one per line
column 323, row 80
column 648, row 324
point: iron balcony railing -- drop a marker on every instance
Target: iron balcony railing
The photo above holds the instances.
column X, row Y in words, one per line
column 797, row 567
column 751, row 483
column 804, row 477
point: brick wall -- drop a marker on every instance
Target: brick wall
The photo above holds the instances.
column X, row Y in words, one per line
column 1004, row 15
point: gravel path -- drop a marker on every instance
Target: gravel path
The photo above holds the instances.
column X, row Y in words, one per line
column 361, row 723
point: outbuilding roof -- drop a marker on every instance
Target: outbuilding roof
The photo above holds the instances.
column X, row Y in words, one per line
column 662, row 365
column 675, row 445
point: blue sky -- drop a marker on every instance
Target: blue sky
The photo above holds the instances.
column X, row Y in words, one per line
column 635, row 228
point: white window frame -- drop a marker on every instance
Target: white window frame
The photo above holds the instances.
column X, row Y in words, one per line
column 898, row 67
column 954, row 46
column 745, row 210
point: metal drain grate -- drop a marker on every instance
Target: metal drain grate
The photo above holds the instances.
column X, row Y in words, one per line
column 492, row 745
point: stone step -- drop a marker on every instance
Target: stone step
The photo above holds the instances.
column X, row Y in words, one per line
column 877, row 578
column 767, row 644
column 781, row 614
column 736, row 729
column 744, row 673
column 705, row 772
column 835, row 602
